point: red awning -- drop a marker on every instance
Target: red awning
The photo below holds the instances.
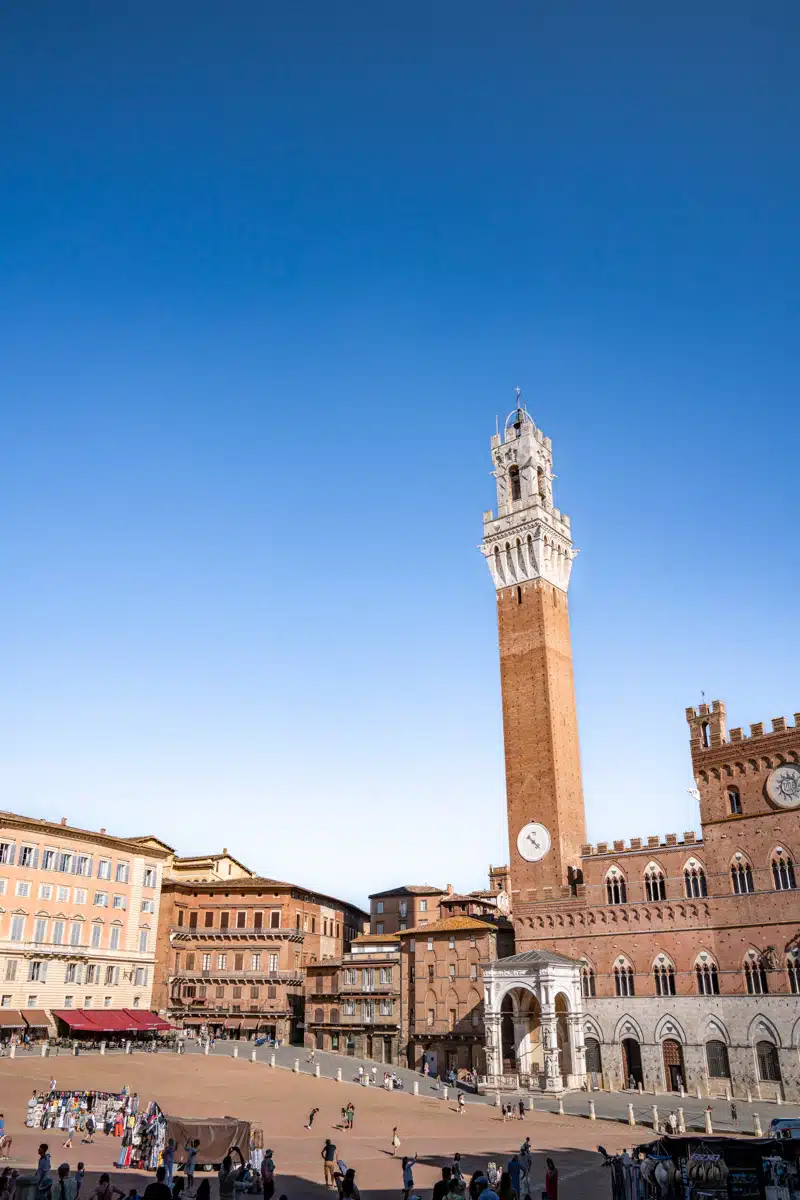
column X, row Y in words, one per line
column 76, row 1018
column 147, row 1021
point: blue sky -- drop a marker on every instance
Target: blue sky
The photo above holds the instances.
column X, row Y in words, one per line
column 268, row 275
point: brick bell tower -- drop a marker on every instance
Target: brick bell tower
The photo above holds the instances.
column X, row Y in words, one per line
column 529, row 552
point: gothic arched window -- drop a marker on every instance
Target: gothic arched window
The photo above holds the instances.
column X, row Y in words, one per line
column 694, row 878
column 616, row 891
column 742, row 877
column 515, row 484
column 587, row 982
column 783, row 871
column 624, row 979
column 664, row 978
column 793, row 971
column 707, row 977
column 655, row 887
column 755, row 975
column 734, row 802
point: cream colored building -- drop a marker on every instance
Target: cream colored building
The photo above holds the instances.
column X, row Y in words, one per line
column 78, row 916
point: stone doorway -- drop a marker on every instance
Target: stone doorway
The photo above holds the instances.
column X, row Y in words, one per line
column 632, row 1062
column 673, row 1064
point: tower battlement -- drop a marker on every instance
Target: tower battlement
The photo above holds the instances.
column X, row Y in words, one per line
column 708, row 728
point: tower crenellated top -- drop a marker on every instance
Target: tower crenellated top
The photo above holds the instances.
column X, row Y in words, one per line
column 529, row 538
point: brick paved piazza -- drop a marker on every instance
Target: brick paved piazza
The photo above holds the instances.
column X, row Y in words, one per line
column 279, row 1102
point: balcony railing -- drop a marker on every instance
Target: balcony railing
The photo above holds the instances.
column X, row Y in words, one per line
column 369, row 988
column 219, row 975
column 191, row 932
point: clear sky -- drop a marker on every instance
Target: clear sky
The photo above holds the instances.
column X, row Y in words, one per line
column 269, row 272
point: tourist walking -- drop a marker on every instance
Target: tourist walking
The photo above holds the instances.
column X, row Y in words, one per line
column 408, row 1177
column 70, row 1131
column 521, row 1107
column 456, row 1167
column 311, row 1116
column 348, row 1189
column 90, row 1128
column 329, row 1162
column 267, row 1175
column 461, row 1103
column 550, row 1181
column 734, row 1114
column 442, row 1186
column 396, row 1144
column 79, row 1176
column 672, row 1121
column 351, row 1115
column 168, row 1160
column 191, row 1149
column 514, row 1169
column 44, row 1184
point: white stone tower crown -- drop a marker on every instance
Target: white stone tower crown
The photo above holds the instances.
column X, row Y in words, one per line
column 529, row 538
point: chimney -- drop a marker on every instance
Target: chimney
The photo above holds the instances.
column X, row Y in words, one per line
column 449, row 889
column 63, row 820
column 102, row 830
column 224, row 849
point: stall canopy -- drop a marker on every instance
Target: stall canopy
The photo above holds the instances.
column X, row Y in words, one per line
column 36, row 1018
column 11, row 1018
column 216, row 1135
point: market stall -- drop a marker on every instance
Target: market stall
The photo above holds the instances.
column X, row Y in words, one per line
column 216, row 1136
column 695, row 1167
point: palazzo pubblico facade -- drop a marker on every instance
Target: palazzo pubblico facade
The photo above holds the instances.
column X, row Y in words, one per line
column 669, row 961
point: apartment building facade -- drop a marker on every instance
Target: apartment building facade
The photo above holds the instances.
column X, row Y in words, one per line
column 79, row 914
column 233, row 952
column 353, row 1003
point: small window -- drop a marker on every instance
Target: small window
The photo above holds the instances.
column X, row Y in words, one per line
column 430, row 943
column 208, row 920
column 734, row 802
column 707, row 979
column 655, row 887
column 717, row 1059
column 378, row 927
column 275, row 919
column 514, row 482
column 588, row 982
column 379, row 907
column 149, row 877
column 616, row 891
column 423, row 906
column 694, row 880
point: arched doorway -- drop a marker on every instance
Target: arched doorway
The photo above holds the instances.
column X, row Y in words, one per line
column 562, row 1034
column 632, row 1063
column 673, row 1064
column 594, row 1063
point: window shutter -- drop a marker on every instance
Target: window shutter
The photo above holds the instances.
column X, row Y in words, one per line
column 43, row 973
column 30, row 971
column 90, row 868
column 12, row 851
column 78, row 973
column 116, row 974
column 36, row 858
column 75, row 864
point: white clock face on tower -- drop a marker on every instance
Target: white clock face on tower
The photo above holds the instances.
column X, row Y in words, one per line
column 533, row 841
column 783, row 786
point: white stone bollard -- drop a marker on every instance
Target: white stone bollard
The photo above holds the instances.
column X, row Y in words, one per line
column 416, row 1087
column 338, row 1074
column 444, row 1093
column 655, row 1117
column 102, row 1047
column 698, row 1093
column 129, row 1048
column 560, row 1107
column 497, row 1099
column 296, row 1066
column 316, row 1070
column 682, row 1091
column 75, row 1050
column 681, row 1121
column 44, row 1050
column 592, row 1113
column 235, row 1051
column 749, row 1096
column 778, row 1096
column 530, row 1103
column 757, row 1126
column 728, row 1095
column 12, row 1050
column 709, row 1126
column 631, row 1117
column 253, row 1056
column 640, row 1086
column 272, row 1060
column 207, row 1048
column 390, row 1084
